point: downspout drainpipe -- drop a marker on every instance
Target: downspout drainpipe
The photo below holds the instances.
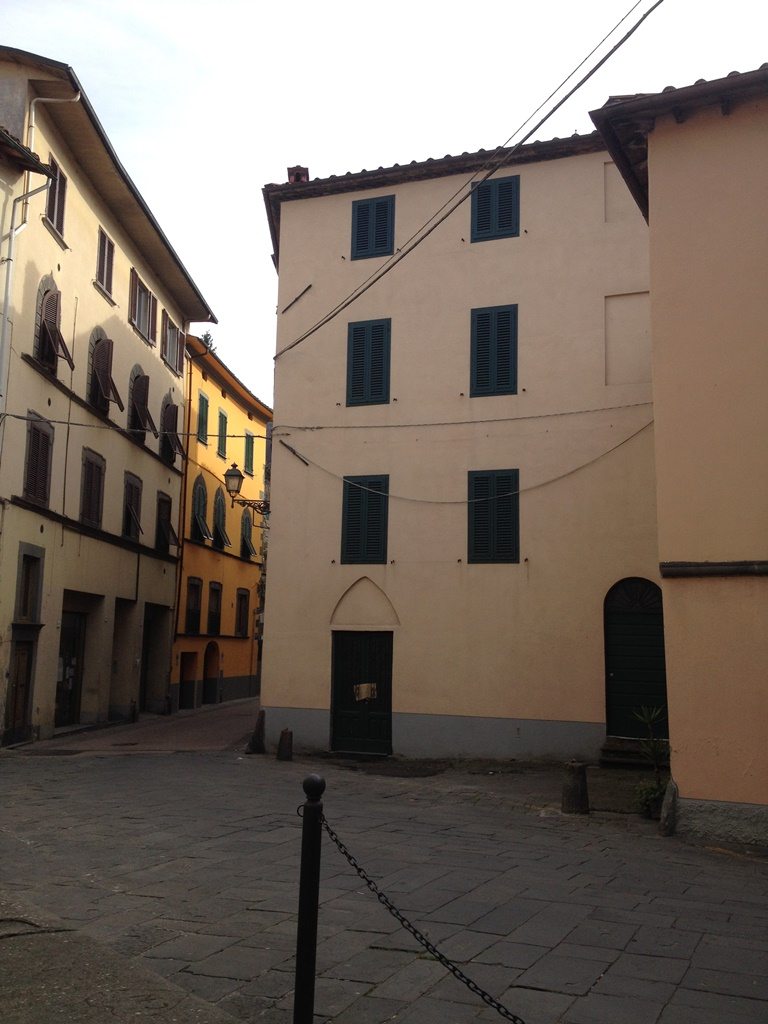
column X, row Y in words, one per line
column 32, row 126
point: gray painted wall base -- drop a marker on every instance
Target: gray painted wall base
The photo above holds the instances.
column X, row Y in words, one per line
column 451, row 735
column 743, row 824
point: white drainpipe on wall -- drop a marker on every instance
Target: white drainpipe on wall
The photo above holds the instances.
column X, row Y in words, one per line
column 33, row 125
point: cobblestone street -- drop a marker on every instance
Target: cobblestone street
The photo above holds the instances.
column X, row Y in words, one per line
column 188, row 864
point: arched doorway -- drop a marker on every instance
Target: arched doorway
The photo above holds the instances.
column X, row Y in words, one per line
column 635, row 674
column 211, row 674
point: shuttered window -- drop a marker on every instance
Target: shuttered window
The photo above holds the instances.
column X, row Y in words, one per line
column 214, row 608
column 368, row 353
column 92, row 488
column 132, row 507
column 373, row 227
column 171, row 344
column 50, row 346
column 220, row 536
column 57, row 194
column 142, row 309
column 241, row 612
column 202, row 419
column 103, row 389
column 165, row 535
column 199, row 526
column 140, row 417
column 247, row 550
column 221, row 447
column 496, row 209
column 248, row 455
column 37, row 463
column 105, row 262
column 364, row 519
column 194, row 602
column 493, row 515
column 170, row 442
column 493, row 367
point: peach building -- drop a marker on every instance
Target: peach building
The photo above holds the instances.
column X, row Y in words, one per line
column 694, row 161
column 463, row 550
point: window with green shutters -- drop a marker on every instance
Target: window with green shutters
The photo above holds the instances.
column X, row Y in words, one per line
column 364, row 519
column 373, row 227
column 496, row 209
column 221, row 448
column 202, row 419
column 494, row 516
column 368, row 347
column 248, row 459
column 493, row 366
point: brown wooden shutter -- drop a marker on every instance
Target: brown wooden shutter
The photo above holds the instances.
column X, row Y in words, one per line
column 152, row 320
column 170, row 428
column 61, row 194
column 164, row 336
column 102, row 367
column 180, row 352
column 38, row 462
column 141, row 404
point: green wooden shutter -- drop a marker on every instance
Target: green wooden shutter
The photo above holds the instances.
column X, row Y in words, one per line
column 481, row 210
column 202, row 419
column 506, row 350
column 494, row 351
column 364, row 519
column 507, row 211
column 222, row 445
column 373, row 227
column 368, row 354
column 482, row 379
column 248, row 459
column 493, row 516
column 496, row 209
column 357, row 341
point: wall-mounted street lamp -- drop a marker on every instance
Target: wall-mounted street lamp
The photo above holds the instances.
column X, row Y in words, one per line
column 233, row 479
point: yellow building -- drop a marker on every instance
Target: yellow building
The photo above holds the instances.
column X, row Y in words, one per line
column 95, row 307
column 694, row 160
column 217, row 646
column 463, row 534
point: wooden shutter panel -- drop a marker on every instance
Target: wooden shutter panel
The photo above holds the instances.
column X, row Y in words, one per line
column 361, row 228
column 50, row 201
column 102, row 368
column 52, row 308
column 356, row 348
column 482, row 333
column 141, row 403
column 164, row 335
column 505, row 517
column 376, row 520
column 506, row 350
column 378, row 364
column 507, row 206
column 170, row 426
column 382, row 225
column 202, row 419
column 364, row 519
column 61, row 195
column 480, row 518
column 481, row 209
column 180, row 340
column 38, row 462
column 352, row 523
column 110, row 264
column 152, row 319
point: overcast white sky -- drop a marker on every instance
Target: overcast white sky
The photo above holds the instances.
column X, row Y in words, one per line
column 206, row 102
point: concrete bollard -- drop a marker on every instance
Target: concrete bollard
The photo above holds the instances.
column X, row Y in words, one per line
column 256, row 744
column 285, row 746
column 575, row 795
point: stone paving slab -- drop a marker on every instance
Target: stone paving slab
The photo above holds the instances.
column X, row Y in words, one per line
column 185, row 867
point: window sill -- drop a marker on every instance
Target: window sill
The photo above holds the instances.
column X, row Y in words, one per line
column 103, row 292
column 53, row 230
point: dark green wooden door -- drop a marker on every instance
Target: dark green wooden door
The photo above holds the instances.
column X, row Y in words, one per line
column 635, row 674
column 361, row 693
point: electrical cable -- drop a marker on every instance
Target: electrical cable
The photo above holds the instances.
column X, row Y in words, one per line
column 122, row 430
column 470, row 501
column 437, row 219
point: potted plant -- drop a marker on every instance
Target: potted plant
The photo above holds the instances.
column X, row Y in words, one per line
column 650, row 792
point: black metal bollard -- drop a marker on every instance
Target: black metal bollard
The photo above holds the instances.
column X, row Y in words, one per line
column 309, row 894
column 575, row 795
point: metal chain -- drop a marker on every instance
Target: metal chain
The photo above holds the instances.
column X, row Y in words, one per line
column 385, row 901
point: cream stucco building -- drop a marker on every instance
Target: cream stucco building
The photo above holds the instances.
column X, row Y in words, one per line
column 694, row 160
column 95, row 306
column 463, row 552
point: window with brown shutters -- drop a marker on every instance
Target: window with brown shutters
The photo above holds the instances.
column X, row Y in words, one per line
column 165, row 535
column 57, row 194
column 132, row 507
column 92, row 488
column 194, row 602
column 103, row 389
column 171, row 344
column 170, row 442
column 142, row 309
column 37, row 463
column 50, row 345
column 140, row 418
column 105, row 262
column 242, row 606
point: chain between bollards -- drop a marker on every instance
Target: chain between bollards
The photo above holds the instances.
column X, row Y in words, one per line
column 309, row 896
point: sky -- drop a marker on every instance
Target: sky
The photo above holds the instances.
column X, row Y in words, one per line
column 207, row 102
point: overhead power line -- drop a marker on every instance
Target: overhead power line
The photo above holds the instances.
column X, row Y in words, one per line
column 500, row 155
